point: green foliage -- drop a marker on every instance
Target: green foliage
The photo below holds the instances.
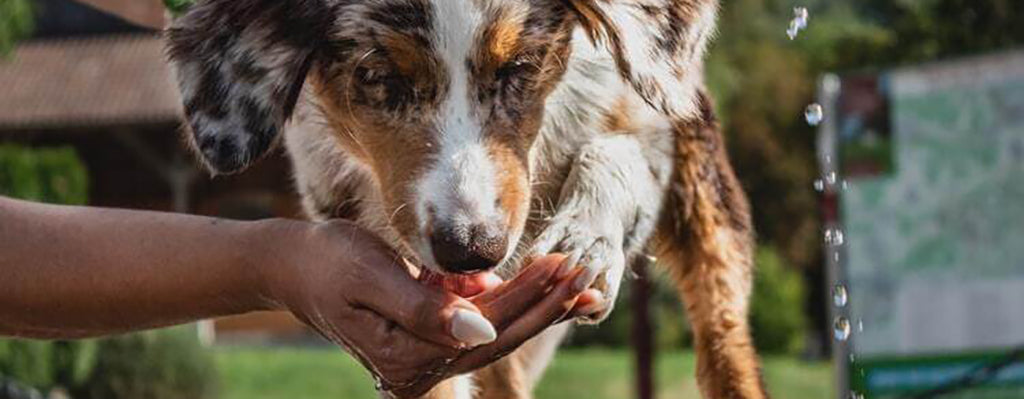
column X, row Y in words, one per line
column 162, row 364
column 177, row 7
column 777, row 306
column 29, row 362
column 52, row 175
column 15, row 22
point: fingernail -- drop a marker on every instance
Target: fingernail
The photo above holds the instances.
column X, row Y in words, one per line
column 472, row 328
column 591, row 308
column 585, row 279
column 568, row 264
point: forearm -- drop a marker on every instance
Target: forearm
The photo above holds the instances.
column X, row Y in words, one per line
column 75, row 272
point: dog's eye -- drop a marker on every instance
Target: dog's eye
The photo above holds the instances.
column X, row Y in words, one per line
column 515, row 68
column 374, row 76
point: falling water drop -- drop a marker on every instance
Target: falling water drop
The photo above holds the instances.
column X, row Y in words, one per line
column 814, row 114
column 835, row 256
column 860, row 325
column 841, row 329
column 834, row 237
column 855, row 395
column 793, row 30
column 839, row 296
column 377, row 384
column 819, row 185
column 831, row 177
column 800, row 15
column 845, row 185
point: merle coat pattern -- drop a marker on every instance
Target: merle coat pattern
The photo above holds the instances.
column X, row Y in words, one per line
column 473, row 134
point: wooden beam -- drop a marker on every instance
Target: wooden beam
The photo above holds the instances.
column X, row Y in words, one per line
column 147, row 13
column 642, row 332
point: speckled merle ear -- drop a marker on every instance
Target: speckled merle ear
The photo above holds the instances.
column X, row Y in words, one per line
column 241, row 65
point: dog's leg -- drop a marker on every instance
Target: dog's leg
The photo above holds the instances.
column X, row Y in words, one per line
column 705, row 239
column 608, row 208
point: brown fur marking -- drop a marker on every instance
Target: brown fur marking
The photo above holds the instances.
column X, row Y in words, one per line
column 705, row 240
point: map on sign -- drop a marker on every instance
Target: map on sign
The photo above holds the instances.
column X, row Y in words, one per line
column 935, row 237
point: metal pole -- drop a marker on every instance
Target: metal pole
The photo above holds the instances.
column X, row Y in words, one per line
column 827, row 146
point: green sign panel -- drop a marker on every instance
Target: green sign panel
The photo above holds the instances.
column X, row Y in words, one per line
column 934, row 222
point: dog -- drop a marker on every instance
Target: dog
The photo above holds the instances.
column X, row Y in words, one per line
column 474, row 134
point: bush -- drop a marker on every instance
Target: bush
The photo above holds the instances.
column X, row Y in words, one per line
column 777, row 306
column 163, row 364
column 53, row 175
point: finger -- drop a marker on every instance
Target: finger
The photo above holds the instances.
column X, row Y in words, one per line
column 552, row 308
column 504, row 304
column 476, row 284
column 585, row 303
column 424, row 310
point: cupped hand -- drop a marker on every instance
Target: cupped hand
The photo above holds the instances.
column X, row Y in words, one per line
column 354, row 290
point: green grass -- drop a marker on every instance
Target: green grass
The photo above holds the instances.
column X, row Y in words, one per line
column 270, row 373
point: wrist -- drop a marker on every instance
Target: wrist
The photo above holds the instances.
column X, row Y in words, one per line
column 274, row 251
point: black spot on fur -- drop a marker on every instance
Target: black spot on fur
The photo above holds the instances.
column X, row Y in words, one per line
column 403, row 15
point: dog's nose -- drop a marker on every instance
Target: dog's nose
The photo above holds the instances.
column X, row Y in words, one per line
column 470, row 249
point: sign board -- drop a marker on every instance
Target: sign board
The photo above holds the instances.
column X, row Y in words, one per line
column 933, row 216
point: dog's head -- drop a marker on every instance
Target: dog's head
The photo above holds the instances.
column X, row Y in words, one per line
column 440, row 99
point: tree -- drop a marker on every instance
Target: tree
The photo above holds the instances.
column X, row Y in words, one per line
column 15, row 22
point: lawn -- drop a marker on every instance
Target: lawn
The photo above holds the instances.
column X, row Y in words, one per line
column 271, row 373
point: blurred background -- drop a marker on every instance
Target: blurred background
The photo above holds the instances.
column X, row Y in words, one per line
column 923, row 104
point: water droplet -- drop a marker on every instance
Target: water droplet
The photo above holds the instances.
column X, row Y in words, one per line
column 793, row 30
column 855, row 395
column 377, row 384
column 814, row 114
column 831, row 178
column 860, row 325
column 800, row 15
column 839, row 296
column 835, row 256
column 841, row 329
column 845, row 185
column 852, row 358
column 828, row 160
column 819, row 185
column 834, row 237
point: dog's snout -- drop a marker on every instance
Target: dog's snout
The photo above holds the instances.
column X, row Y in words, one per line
column 470, row 249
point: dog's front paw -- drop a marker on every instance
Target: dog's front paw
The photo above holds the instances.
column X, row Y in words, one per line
column 596, row 247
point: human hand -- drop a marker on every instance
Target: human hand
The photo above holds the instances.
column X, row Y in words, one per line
column 354, row 290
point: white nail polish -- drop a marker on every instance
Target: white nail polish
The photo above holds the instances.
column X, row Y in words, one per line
column 472, row 328
column 586, row 278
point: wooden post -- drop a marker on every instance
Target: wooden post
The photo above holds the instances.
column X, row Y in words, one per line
column 642, row 331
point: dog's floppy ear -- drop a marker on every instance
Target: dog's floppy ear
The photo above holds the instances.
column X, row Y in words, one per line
column 241, row 65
